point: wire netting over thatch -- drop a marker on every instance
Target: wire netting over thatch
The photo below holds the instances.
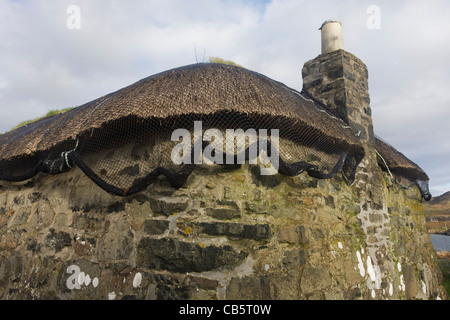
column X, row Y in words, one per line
column 402, row 169
column 122, row 141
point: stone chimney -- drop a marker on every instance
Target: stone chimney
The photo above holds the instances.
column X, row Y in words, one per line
column 339, row 80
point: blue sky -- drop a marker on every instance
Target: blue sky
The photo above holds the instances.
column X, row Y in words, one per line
column 44, row 64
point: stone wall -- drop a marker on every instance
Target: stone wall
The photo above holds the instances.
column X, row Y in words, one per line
column 229, row 234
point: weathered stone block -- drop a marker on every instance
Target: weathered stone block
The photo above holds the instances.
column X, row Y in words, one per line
column 237, row 230
column 58, row 240
column 11, row 269
column 117, row 243
column 256, row 207
column 314, row 279
column 20, row 217
column 249, row 288
column 295, row 258
column 165, row 292
column 20, row 200
column 87, row 221
column 409, row 278
column 177, row 256
column 202, row 283
column 117, row 206
column 168, row 205
column 34, row 197
column 223, row 212
column 352, row 294
column 155, row 227
column 293, row 235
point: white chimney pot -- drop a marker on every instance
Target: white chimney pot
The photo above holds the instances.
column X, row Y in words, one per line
column 331, row 36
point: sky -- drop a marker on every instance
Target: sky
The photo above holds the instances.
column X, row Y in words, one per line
column 59, row 54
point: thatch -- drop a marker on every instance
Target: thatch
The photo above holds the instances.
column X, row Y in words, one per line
column 194, row 89
column 397, row 163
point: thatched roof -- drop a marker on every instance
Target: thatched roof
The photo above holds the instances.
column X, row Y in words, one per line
column 397, row 163
column 194, row 89
column 209, row 91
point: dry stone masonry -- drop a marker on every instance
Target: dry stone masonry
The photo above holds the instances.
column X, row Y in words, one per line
column 226, row 235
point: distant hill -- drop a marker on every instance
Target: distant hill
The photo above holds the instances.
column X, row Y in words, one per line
column 437, row 211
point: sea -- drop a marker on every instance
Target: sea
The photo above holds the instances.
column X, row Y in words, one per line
column 440, row 242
